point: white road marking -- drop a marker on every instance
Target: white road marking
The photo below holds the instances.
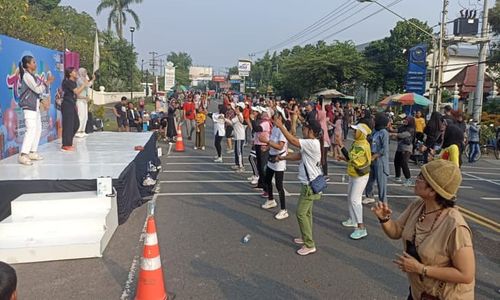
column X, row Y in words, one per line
column 482, row 179
column 490, row 199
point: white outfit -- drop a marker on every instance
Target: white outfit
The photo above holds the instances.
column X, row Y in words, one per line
column 32, row 119
column 310, row 150
column 354, row 195
column 238, row 129
column 82, row 107
column 219, row 122
column 277, row 137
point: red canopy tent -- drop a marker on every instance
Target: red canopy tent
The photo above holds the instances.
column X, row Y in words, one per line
column 466, row 80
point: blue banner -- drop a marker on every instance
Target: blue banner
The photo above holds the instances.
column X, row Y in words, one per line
column 417, row 70
column 12, row 126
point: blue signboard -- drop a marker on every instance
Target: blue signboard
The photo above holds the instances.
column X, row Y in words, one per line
column 12, row 126
column 417, row 70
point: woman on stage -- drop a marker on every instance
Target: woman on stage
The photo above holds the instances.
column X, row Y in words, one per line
column 31, row 99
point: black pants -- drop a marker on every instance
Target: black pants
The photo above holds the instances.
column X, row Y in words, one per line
column 70, row 122
column 171, row 132
column 252, row 158
column 401, row 162
column 218, row 147
column 238, row 152
column 278, row 176
column 324, row 165
column 262, row 157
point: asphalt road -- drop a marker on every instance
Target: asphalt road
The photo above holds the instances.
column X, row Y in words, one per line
column 204, row 209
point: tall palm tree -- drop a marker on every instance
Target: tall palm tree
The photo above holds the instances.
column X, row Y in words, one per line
column 118, row 14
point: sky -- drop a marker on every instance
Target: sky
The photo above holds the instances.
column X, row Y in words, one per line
column 219, row 32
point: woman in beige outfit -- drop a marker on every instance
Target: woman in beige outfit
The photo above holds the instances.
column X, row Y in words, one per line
column 438, row 258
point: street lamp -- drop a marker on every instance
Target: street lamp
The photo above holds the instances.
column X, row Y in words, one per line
column 132, row 29
column 435, row 44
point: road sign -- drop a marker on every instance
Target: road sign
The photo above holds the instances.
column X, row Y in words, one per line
column 417, row 70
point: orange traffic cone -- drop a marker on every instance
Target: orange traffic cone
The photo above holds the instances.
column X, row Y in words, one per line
column 150, row 285
column 179, row 144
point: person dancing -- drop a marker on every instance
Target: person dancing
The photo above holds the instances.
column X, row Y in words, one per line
column 30, row 101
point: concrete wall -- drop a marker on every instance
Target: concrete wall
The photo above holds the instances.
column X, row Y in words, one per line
column 101, row 97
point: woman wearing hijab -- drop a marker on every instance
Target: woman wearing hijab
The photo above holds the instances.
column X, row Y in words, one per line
column 82, row 101
column 405, row 136
column 432, row 132
column 322, row 119
column 70, row 123
column 452, row 141
column 358, row 169
column 31, row 98
column 310, row 156
column 438, row 255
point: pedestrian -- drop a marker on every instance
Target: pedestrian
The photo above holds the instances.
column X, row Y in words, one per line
column 294, row 116
column 229, row 114
column 120, row 111
column 30, row 102
column 247, row 122
column 82, row 101
column 338, row 135
column 8, row 282
column 358, row 169
column 239, row 136
column 171, row 130
column 438, row 257
column 322, row 119
column 452, row 140
column 405, row 135
column 200, row 129
column 262, row 130
column 473, row 140
column 310, row 158
column 219, row 132
column 419, row 126
column 433, row 134
column 379, row 168
column 189, row 114
column 448, row 115
column 70, row 121
column 134, row 119
column 366, row 118
column 278, row 145
column 252, row 157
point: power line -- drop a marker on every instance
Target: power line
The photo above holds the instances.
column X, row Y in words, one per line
column 328, row 18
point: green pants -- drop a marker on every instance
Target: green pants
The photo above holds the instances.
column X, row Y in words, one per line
column 304, row 214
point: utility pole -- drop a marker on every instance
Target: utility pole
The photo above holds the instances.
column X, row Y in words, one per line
column 153, row 67
column 481, row 68
column 442, row 34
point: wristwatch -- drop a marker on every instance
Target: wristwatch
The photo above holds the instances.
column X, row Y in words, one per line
column 384, row 220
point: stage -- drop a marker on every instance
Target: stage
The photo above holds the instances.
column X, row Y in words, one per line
column 108, row 154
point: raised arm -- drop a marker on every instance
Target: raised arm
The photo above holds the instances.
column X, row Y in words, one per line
column 291, row 139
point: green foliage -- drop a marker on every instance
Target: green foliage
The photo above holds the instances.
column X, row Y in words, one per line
column 494, row 20
column 118, row 14
column 387, row 58
column 182, row 61
column 46, row 5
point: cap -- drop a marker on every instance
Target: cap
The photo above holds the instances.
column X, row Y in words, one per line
column 363, row 128
column 241, row 104
column 256, row 108
column 282, row 112
column 443, row 176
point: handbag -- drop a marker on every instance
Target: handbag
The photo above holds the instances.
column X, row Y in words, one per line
column 318, row 184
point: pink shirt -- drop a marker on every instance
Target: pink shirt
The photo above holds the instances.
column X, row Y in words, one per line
column 266, row 132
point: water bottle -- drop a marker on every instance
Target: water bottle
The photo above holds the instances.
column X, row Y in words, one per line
column 343, row 178
column 246, row 239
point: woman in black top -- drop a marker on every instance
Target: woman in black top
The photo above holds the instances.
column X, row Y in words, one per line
column 70, row 122
column 433, row 135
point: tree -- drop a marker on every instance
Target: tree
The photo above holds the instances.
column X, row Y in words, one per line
column 118, row 14
column 387, row 58
column 494, row 20
column 182, row 61
column 46, row 5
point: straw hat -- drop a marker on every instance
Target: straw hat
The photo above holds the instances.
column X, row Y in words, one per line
column 444, row 177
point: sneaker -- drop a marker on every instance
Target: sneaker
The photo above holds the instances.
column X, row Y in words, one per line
column 79, row 135
column 305, row 251
column 218, row 160
column 265, row 195
column 327, row 179
column 235, row 167
column 24, row 159
column 67, row 149
column 230, row 151
column 368, row 200
column 349, row 223
column 189, row 138
column 251, row 178
column 283, row 214
column 255, row 180
column 358, row 233
column 408, row 182
column 203, row 148
column 35, row 156
column 195, row 148
column 240, row 170
column 398, row 179
column 298, row 241
column 269, row 204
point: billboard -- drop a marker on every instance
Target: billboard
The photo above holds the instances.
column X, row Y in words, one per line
column 169, row 76
column 417, row 70
column 244, row 67
column 219, row 78
column 200, row 73
column 12, row 127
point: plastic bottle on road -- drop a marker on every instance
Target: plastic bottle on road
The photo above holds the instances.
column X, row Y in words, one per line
column 246, row 239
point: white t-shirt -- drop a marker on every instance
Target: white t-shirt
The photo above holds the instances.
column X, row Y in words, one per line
column 277, row 137
column 310, row 150
column 219, row 122
column 238, row 129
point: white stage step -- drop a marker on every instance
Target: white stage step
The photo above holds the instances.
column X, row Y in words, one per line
column 57, row 226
